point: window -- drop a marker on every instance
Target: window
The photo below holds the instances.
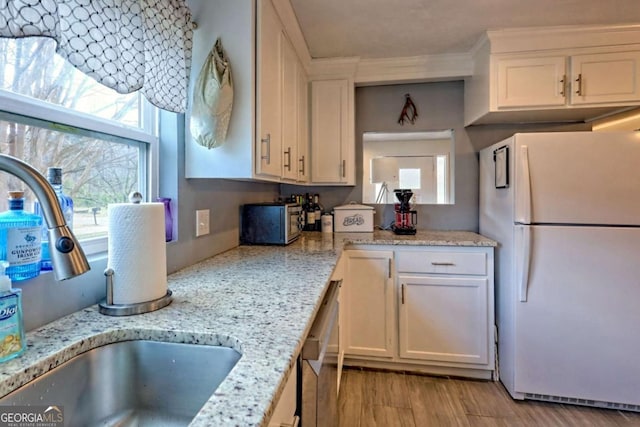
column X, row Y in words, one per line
column 409, row 178
column 442, row 178
column 420, row 161
column 53, row 115
column 416, row 173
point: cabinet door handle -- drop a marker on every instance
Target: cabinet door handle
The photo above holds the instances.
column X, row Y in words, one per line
column 288, row 154
column 525, row 259
column 443, row 263
column 563, row 85
column 579, row 81
column 302, row 165
column 389, row 268
column 402, row 293
column 344, row 168
column 267, row 141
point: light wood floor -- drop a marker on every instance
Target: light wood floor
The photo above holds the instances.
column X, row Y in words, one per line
column 386, row 399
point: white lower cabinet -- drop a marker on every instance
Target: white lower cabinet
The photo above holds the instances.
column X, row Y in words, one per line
column 438, row 317
column 367, row 294
column 443, row 319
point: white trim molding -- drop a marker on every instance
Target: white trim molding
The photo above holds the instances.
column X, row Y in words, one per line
column 454, row 66
column 561, row 37
column 293, row 31
column 333, row 68
column 414, row 69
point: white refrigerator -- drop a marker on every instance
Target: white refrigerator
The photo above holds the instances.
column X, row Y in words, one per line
column 565, row 210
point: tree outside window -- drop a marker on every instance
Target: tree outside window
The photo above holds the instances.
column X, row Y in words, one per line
column 97, row 168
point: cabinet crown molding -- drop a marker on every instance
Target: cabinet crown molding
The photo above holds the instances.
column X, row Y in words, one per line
column 333, row 68
column 372, row 71
column 520, row 40
column 441, row 67
column 459, row 66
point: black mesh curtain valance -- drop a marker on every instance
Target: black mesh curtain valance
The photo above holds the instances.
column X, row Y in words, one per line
column 126, row 45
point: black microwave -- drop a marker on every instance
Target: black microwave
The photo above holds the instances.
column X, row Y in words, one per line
column 273, row 223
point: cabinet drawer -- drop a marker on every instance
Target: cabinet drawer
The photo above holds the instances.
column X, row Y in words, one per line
column 443, row 262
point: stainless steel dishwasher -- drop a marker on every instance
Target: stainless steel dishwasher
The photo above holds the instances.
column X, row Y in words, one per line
column 319, row 385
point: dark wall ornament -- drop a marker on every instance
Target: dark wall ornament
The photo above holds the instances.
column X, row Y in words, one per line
column 409, row 112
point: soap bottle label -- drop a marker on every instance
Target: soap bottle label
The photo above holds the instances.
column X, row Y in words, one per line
column 23, row 245
column 10, row 327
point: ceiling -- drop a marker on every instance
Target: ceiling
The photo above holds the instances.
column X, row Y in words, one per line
column 397, row 28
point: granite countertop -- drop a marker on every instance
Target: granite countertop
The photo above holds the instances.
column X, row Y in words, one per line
column 259, row 300
column 421, row 238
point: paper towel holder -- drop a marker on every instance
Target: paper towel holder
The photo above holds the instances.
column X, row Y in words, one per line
column 110, row 309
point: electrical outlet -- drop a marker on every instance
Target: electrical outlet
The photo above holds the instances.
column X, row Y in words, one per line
column 202, row 222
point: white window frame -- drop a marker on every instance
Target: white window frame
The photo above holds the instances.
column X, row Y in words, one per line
column 24, row 109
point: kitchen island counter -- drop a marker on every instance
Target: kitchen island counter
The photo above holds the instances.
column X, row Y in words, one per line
column 259, row 300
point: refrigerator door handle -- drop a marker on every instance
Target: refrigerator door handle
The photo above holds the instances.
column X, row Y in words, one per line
column 523, row 206
column 524, row 261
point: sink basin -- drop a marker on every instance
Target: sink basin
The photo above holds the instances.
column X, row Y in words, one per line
column 131, row 383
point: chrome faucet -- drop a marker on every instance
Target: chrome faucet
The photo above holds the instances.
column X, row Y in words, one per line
column 66, row 254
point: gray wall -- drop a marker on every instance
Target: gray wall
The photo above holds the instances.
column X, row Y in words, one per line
column 440, row 106
column 222, row 197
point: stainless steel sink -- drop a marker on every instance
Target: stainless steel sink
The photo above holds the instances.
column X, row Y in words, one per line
column 131, row 383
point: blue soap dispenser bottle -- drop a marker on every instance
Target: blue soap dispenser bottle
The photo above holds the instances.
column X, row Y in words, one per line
column 12, row 342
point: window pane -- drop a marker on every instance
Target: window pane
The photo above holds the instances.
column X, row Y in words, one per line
column 410, row 178
column 102, row 162
column 95, row 171
column 441, row 171
column 30, row 66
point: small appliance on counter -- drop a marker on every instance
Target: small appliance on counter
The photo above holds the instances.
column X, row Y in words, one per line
column 271, row 223
column 406, row 218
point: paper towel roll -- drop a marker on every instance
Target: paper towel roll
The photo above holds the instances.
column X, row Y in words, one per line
column 137, row 252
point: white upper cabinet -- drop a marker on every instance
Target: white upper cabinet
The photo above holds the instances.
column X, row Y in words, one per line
column 605, row 78
column 289, row 109
column 529, row 82
column 332, row 132
column 554, row 75
column 295, row 139
column 265, row 130
column 269, row 69
column 556, row 81
column 303, row 160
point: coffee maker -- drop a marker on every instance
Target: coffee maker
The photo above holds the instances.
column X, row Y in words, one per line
column 406, row 219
